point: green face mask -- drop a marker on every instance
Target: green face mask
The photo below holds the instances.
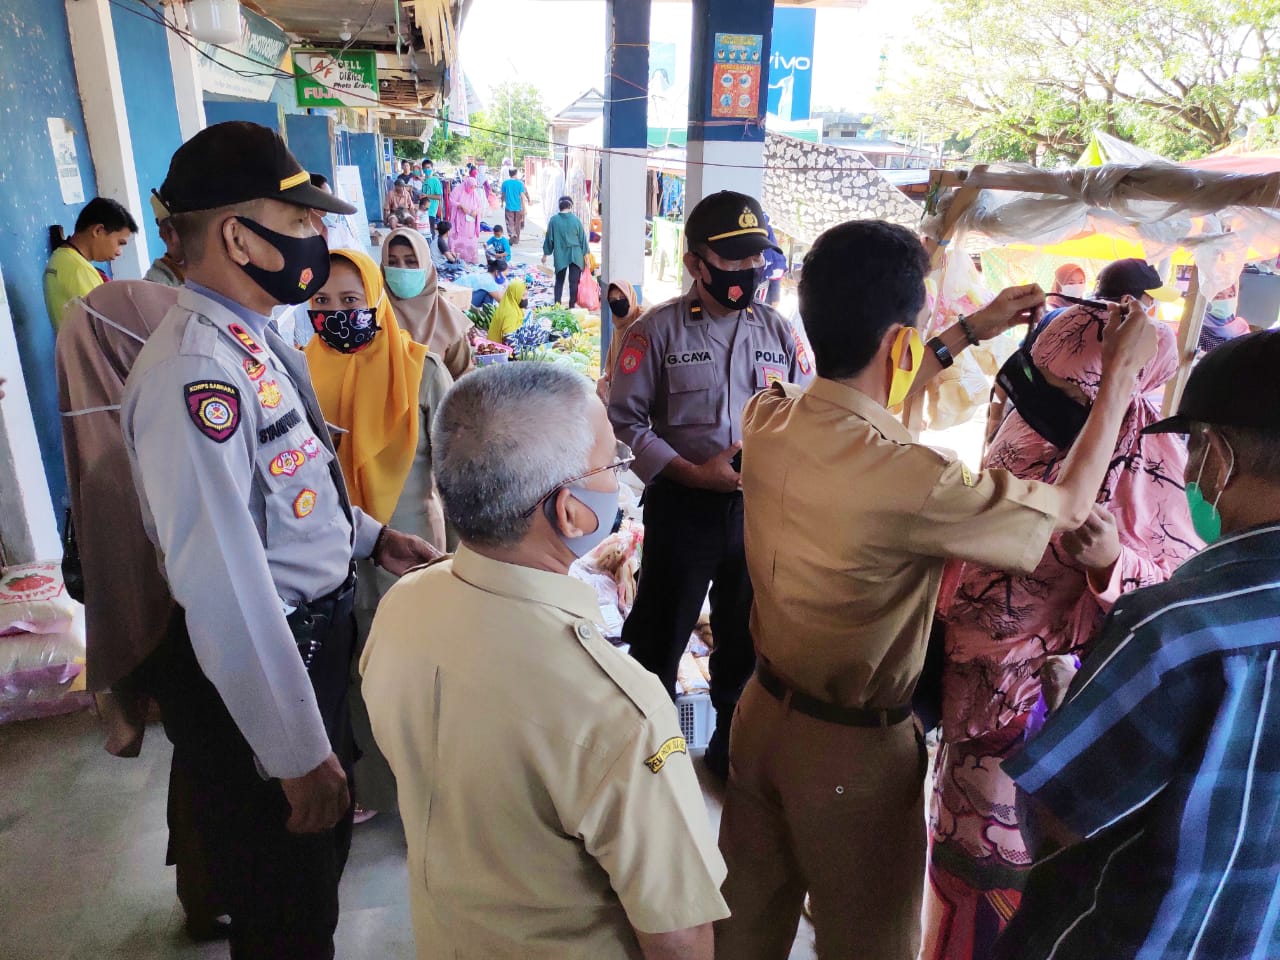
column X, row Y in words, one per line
column 1205, row 517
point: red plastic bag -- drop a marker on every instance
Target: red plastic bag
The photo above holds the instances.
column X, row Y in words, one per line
column 588, row 292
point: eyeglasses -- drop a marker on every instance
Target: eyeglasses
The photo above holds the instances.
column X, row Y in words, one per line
column 623, row 458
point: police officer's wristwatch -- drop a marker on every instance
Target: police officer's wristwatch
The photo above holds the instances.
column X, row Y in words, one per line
column 941, row 352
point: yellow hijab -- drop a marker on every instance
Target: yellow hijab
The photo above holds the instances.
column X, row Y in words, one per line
column 508, row 317
column 373, row 395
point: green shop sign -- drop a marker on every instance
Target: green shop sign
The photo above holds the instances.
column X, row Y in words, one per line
column 327, row 79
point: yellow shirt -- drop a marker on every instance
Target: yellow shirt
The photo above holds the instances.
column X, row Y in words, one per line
column 848, row 525
column 548, row 800
column 67, row 275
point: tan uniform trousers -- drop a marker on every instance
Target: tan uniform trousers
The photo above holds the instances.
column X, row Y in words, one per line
column 833, row 810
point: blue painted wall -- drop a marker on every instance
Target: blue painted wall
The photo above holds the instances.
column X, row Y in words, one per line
column 268, row 114
column 37, row 81
column 149, row 101
column 365, row 152
column 311, row 141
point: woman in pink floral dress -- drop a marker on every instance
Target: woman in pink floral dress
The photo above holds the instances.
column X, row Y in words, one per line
column 1007, row 635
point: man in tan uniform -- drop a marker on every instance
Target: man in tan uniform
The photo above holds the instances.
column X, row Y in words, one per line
column 549, row 802
column 848, row 526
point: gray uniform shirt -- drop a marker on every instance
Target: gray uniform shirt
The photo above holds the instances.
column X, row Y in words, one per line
column 683, row 378
column 241, row 494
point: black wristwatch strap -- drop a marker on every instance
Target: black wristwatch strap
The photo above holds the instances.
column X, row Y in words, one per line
column 941, row 352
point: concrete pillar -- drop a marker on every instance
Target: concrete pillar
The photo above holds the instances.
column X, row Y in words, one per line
column 726, row 153
column 184, row 62
column 626, row 141
column 28, row 528
column 93, row 46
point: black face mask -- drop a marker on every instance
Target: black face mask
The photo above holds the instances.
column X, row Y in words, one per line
column 733, row 289
column 305, row 270
column 347, row 331
column 620, row 307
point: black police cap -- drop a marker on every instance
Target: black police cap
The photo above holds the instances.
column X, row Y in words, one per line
column 1234, row 385
column 732, row 224
column 235, row 162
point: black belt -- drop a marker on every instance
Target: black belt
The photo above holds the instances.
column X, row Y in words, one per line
column 778, row 688
column 311, row 620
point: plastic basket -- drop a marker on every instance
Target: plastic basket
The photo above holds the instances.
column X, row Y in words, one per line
column 697, row 719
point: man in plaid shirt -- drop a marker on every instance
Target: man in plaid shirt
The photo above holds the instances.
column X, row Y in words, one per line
column 1159, row 778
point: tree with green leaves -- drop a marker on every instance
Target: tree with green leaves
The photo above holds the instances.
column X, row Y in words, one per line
column 515, row 125
column 1033, row 79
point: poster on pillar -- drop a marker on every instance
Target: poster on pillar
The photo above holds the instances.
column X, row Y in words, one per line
column 735, row 80
column 791, row 63
column 63, row 138
column 348, row 78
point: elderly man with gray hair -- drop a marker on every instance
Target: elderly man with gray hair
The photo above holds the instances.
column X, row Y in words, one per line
column 548, row 799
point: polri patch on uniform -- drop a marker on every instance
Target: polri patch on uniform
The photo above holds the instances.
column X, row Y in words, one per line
column 772, row 375
column 254, row 368
column 659, row 759
column 241, row 334
column 637, row 346
column 269, row 394
column 278, row 428
column 802, row 355
column 288, row 463
column 214, row 407
column 304, row 503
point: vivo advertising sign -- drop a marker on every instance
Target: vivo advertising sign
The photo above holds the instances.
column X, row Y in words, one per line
column 791, row 63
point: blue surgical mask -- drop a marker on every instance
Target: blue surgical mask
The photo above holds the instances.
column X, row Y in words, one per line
column 603, row 503
column 405, row 282
column 1223, row 309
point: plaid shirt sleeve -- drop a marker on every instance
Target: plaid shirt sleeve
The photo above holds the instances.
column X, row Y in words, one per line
column 1116, row 742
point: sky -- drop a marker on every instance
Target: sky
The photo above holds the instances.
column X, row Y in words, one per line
column 558, row 46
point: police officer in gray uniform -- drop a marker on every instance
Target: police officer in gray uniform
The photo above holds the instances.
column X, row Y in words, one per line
column 242, row 495
column 686, row 369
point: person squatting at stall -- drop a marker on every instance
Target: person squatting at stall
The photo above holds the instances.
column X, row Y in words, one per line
column 549, row 802
column 1149, row 798
column 686, row 369
column 848, row 527
column 241, row 494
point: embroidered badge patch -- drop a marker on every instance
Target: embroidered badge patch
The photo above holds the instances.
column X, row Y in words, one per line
column 214, row 408
column 659, row 759
column 241, row 334
column 635, row 350
column 311, row 447
column 269, row 394
column 735, row 292
column 305, row 277
column 304, row 503
column 286, row 464
column 802, row 355
column 254, row 368
column 772, row 375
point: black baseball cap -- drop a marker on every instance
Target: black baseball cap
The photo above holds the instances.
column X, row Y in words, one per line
column 238, row 161
column 1133, row 278
column 731, row 224
column 1234, row 385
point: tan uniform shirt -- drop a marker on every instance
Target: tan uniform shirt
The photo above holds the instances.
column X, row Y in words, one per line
column 848, row 524
column 548, row 800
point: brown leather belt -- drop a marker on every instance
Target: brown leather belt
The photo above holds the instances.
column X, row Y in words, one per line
column 778, row 688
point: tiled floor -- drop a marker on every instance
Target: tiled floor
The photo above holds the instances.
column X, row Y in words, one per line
column 82, row 839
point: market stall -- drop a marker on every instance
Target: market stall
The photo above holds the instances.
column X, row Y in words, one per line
column 1213, row 221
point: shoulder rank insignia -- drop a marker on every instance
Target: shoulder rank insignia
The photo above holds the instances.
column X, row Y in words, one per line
column 241, row 334
column 214, row 407
column 637, row 346
column 966, row 475
column 659, row 759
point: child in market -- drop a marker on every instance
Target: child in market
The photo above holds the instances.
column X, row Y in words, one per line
column 498, row 247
